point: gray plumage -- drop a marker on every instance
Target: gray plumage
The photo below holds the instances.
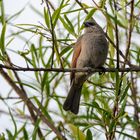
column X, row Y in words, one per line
column 90, row 50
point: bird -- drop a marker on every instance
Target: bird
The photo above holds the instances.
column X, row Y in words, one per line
column 90, row 51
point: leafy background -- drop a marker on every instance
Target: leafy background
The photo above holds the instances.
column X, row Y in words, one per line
column 41, row 34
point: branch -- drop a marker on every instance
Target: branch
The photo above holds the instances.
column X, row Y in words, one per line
column 3, row 112
column 81, row 5
column 131, row 69
column 130, row 30
column 116, row 34
column 33, row 115
column 28, row 102
column 54, row 46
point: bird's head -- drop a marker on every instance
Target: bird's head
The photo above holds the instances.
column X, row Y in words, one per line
column 90, row 23
column 92, row 26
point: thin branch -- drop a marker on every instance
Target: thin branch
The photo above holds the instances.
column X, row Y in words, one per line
column 54, row 44
column 28, row 102
column 80, row 4
column 27, row 117
column 120, row 52
column 116, row 34
column 99, row 85
column 134, row 69
column 9, row 98
column 96, row 4
column 127, row 4
column 33, row 116
column 130, row 30
column 52, row 31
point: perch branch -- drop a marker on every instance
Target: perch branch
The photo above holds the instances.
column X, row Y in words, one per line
column 131, row 69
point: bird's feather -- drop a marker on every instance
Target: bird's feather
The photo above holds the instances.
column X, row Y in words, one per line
column 76, row 53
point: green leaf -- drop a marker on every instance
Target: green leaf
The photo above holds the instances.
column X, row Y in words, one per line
column 15, row 15
column 14, row 122
column 122, row 110
column 37, row 11
column 89, row 135
column 112, row 126
column 94, row 104
column 46, row 83
column 75, row 10
column 34, row 135
column 125, row 92
column 56, row 13
column 102, row 3
column 10, row 136
column 46, row 16
column 77, row 132
column 67, row 27
column 2, row 136
column 71, row 27
column 30, row 85
column 89, row 16
column 111, row 36
column 25, row 134
column 127, row 135
column 43, row 109
column 2, row 39
column 2, row 18
column 117, row 21
column 64, row 51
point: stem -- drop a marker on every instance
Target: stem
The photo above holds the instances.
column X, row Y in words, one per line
column 28, row 102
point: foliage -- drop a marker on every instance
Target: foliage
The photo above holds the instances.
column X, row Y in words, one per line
column 109, row 106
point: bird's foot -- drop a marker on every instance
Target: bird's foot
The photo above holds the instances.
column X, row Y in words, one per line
column 103, row 70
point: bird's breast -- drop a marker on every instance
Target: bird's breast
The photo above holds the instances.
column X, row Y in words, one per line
column 94, row 48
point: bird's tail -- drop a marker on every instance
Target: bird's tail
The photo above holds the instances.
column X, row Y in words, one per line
column 73, row 99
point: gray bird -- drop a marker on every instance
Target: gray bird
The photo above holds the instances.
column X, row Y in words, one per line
column 90, row 50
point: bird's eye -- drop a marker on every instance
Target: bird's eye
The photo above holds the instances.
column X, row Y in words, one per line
column 91, row 23
column 88, row 24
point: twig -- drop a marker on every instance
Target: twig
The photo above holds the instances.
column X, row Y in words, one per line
column 33, row 116
column 28, row 102
column 127, row 4
column 52, row 31
column 130, row 30
column 95, row 4
column 16, row 115
column 54, row 46
column 116, row 104
column 134, row 69
column 116, row 34
column 80, row 4
column 99, row 85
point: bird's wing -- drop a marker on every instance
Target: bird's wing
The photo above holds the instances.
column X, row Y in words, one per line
column 76, row 53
